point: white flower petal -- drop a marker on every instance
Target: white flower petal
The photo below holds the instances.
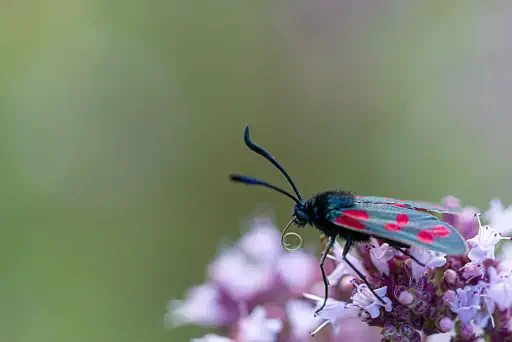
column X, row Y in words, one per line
column 239, row 276
column 427, row 257
column 441, row 337
column 365, row 299
column 297, row 270
column 382, row 291
column 373, row 309
column 484, row 243
column 343, row 269
column 257, row 328
column 493, row 275
column 389, row 305
column 476, row 255
column 262, row 242
column 200, row 307
column 380, row 255
column 212, row 338
column 467, row 314
column 483, row 316
column 339, row 272
column 437, row 260
column 467, row 302
column 334, row 312
column 299, row 315
column 501, row 293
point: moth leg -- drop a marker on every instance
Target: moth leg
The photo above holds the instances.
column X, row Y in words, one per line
column 410, row 256
column 332, row 239
column 346, row 249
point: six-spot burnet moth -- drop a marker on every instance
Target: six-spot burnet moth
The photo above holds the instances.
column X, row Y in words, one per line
column 399, row 223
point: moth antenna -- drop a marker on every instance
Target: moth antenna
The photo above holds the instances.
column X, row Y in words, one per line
column 286, row 234
column 253, row 181
column 262, row 152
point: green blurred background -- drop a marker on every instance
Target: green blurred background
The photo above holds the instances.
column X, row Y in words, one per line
column 121, row 120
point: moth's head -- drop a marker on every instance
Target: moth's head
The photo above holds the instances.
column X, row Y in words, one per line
column 303, row 213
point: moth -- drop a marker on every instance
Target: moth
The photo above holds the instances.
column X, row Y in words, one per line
column 400, row 223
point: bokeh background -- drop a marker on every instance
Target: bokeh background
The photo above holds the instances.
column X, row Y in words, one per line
column 121, row 120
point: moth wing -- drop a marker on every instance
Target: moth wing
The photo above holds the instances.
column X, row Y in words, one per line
column 403, row 225
column 405, row 204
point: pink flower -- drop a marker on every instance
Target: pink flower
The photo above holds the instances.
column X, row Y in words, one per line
column 300, row 315
column 212, row 338
column 333, row 313
column 261, row 242
column 297, row 270
column 255, row 292
column 380, row 255
column 343, row 269
column 428, row 258
column 365, row 299
column 471, row 270
column 467, row 303
column 484, row 243
column 238, row 276
column 501, row 292
column 201, row 307
column 258, row 328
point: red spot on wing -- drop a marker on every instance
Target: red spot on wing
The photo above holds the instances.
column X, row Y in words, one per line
column 391, row 227
column 398, row 205
column 357, row 214
column 350, row 221
column 425, row 237
column 440, row 231
column 402, row 219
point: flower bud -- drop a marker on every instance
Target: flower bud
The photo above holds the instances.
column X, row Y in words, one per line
column 445, row 324
column 422, row 307
column 406, row 298
column 450, row 276
column 449, row 296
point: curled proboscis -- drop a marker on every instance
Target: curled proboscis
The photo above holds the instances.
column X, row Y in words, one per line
column 286, row 235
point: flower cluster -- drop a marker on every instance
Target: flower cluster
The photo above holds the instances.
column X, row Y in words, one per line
column 257, row 292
